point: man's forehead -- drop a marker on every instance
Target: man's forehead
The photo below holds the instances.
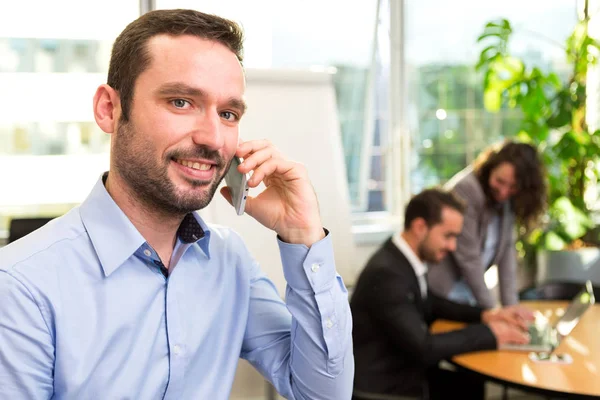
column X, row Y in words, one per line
column 194, row 60
column 451, row 214
column 193, row 43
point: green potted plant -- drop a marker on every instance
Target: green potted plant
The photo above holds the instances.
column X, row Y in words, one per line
column 554, row 118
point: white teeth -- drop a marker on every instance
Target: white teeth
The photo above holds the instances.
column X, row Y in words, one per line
column 194, row 165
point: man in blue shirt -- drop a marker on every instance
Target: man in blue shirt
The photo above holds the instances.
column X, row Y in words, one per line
column 131, row 295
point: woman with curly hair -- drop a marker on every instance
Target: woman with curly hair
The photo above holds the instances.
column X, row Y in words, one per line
column 505, row 187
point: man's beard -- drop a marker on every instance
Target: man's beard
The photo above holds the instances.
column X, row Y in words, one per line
column 426, row 254
column 136, row 163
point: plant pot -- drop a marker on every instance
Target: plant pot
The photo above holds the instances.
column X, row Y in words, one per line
column 569, row 266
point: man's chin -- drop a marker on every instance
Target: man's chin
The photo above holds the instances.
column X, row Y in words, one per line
column 437, row 259
column 190, row 196
column 192, row 202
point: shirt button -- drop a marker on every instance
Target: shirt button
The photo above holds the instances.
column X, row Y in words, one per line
column 328, row 323
column 177, row 350
column 315, row 267
column 147, row 252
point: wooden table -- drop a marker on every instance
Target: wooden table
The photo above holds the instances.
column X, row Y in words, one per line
column 581, row 379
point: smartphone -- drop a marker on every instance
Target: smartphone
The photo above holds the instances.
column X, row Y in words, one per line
column 544, row 357
column 238, row 186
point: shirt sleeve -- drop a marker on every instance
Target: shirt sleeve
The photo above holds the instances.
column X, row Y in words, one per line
column 468, row 255
column 26, row 345
column 302, row 346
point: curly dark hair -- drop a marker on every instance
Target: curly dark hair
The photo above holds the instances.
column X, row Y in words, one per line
column 530, row 201
column 130, row 56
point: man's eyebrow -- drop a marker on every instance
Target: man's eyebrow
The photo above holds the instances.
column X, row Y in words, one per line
column 238, row 104
column 177, row 88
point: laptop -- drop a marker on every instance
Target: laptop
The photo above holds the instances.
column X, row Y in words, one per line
column 545, row 336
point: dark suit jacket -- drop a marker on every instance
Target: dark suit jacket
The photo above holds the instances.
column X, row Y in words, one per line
column 393, row 347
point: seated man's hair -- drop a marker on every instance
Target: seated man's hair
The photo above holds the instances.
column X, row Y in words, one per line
column 428, row 205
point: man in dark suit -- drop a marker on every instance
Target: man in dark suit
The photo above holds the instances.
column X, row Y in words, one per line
column 396, row 355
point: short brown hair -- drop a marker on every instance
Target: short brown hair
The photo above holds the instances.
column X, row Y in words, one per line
column 130, row 55
column 428, row 205
column 529, row 202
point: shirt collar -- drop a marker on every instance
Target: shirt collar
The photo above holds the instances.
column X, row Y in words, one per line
column 419, row 266
column 115, row 238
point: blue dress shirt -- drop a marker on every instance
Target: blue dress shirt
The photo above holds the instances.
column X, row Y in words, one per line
column 87, row 313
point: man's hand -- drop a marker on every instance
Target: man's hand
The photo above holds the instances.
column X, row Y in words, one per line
column 508, row 334
column 289, row 204
column 516, row 315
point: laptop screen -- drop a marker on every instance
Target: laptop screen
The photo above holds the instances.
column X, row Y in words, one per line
column 580, row 303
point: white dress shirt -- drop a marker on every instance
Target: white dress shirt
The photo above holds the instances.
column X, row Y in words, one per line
column 419, row 266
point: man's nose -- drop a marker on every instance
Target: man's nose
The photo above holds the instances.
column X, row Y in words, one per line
column 208, row 131
column 452, row 245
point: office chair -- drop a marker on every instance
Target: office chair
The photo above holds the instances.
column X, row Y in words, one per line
column 20, row 227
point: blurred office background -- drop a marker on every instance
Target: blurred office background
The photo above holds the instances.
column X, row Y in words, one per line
column 397, row 103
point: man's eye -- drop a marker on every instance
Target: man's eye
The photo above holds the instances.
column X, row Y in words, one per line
column 180, row 103
column 229, row 116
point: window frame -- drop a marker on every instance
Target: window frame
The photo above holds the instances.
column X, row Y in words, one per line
column 375, row 226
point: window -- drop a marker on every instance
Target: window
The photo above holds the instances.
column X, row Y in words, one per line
column 48, row 67
column 53, row 55
column 447, row 120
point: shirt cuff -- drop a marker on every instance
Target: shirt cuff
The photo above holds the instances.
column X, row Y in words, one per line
column 308, row 268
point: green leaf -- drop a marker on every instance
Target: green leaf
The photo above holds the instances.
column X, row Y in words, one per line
column 582, row 138
column 492, row 100
column 487, row 35
column 513, row 65
column 536, row 236
column 554, row 80
column 562, row 107
column 485, row 51
column 524, row 137
column 500, row 23
column 554, row 242
column 485, row 58
column 574, row 222
column 493, row 24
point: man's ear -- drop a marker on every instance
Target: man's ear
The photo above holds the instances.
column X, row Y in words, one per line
column 107, row 108
column 420, row 228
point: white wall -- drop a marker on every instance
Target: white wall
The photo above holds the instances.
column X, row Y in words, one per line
column 362, row 253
